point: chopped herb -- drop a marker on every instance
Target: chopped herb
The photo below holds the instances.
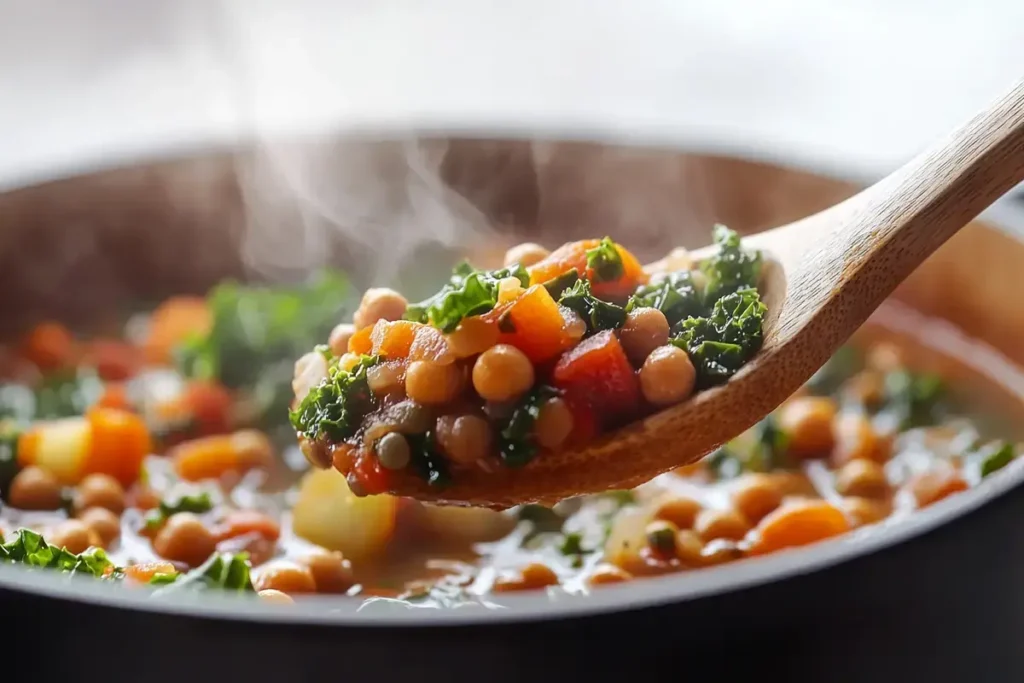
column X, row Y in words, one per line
column 162, row 578
column 336, row 407
column 916, row 399
column 596, row 313
column 621, row 498
column 675, row 295
column 605, row 262
column 426, row 460
column 9, row 433
column 995, row 457
column 516, row 444
column 662, row 539
column 724, row 463
column 197, row 503
column 557, row 285
column 733, row 268
column 720, row 344
column 222, row 571
column 543, row 520
column 30, row 549
column 467, row 293
column 572, row 546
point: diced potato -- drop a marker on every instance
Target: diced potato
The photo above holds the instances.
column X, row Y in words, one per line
column 329, row 514
column 61, row 447
column 467, row 525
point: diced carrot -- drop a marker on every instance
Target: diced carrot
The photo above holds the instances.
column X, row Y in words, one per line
column 241, row 522
column 210, row 457
column 573, row 255
column 393, row 339
column 597, row 373
column 114, row 360
column 360, row 341
column 797, row 524
column 209, row 403
column 49, row 346
column 120, row 443
column 174, row 321
column 931, row 487
column 145, row 571
column 538, row 324
column 430, row 344
column 114, row 396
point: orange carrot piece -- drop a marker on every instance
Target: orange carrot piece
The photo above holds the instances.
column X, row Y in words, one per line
column 171, row 323
column 114, row 396
column 931, row 487
column 114, row 360
column 241, row 522
column 120, row 443
column 393, row 339
column 797, row 524
column 145, row 571
column 430, row 344
column 597, row 373
column 573, row 256
column 49, row 346
column 360, row 342
column 210, row 457
column 538, row 324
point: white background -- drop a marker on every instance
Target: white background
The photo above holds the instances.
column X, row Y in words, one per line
column 862, row 84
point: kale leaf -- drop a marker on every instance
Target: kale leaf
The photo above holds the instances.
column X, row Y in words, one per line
column 336, row 407
column 917, row 400
column 66, row 394
column 675, row 295
column 197, row 503
column 221, row 571
column 426, row 460
column 720, row 344
column 596, row 313
column 557, row 285
column 604, row 262
column 30, row 549
column 516, row 443
column 467, row 293
column 994, row 457
column 733, row 268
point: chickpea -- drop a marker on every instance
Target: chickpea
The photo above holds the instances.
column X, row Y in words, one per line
column 102, row 491
column 525, row 254
column 465, row 439
column 680, row 511
column 645, row 329
column 286, row 577
column 721, row 551
column 604, row 574
column 931, row 487
column 379, row 303
column 431, row 383
column 385, row 378
column 689, row 548
column 808, row 422
column 317, row 453
column 310, row 370
column 856, row 439
column 34, row 488
column 332, row 573
column 885, row 358
column 727, row 524
column 532, row 576
column 667, row 376
column 337, row 341
column 184, row 538
column 863, row 479
column 863, row 511
column 104, row 522
column 554, row 423
column 755, row 496
column 393, row 451
column 275, row 596
column 502, row 373
column 74, row 536
column 473, row 335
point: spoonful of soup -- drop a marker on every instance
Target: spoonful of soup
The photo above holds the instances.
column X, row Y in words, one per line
column 579, row 370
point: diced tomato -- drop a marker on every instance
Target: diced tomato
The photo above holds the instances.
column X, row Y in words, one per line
column 49, row 346
column 209, row 404
column 573, row 256
column 174, row 321
column 584, row 422
column 538, row 326
column 120, row 443
column 360, row 341
column 393, row 339
column 371, row 474
column 241, row 522
column 114, row 360
column 596, row 373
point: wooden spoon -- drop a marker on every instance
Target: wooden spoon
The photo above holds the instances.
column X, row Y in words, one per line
column 824, row 276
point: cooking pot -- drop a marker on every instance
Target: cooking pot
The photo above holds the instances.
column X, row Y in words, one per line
column 937, row 596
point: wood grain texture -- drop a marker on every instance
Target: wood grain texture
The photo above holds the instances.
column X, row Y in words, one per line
column 826, row 274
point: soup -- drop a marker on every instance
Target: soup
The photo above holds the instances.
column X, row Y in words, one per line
column 160, row 455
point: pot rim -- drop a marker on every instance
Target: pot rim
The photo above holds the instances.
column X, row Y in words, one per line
column 1005, row 216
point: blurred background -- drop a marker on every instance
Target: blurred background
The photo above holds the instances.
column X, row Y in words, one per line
column 855, row 87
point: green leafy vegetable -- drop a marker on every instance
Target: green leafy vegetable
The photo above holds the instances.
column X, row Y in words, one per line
column 516, row 444
column 9, row 432
column 468, row 292
column 66, row 394
column 769, row 447
column 30, row 549
column 259, row 331
column 605, row 262
column 336, row 407
column 426, row 460
column 197, row 503
column 675, row 295
column 995, row 456
column 720, row 344
column 733, row 268
column 222, row 571
column 724, row 463
column 917, row 400
column 596, row 313
column 572, row 547
column 557, row 285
